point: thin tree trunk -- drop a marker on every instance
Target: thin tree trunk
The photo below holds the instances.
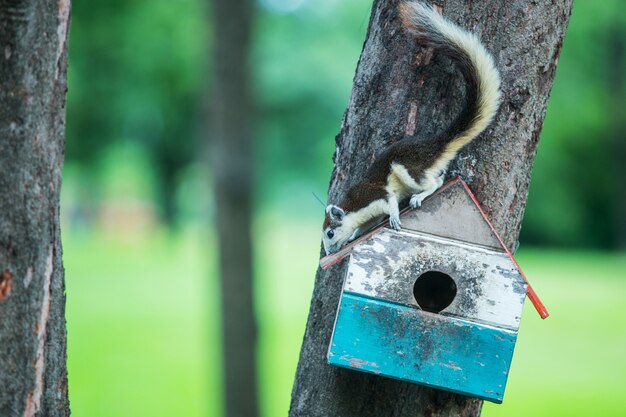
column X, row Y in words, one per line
column 33, row 61
column 617, row 112
column 232, row 171
column 401, row 90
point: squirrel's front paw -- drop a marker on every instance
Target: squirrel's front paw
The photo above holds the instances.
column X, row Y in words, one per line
column 416, row 200
column 394, row 222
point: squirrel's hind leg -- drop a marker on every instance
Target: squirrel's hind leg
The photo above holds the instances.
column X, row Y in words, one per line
column 394, row 212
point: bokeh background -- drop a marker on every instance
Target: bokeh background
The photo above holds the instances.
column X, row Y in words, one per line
column 138, row 216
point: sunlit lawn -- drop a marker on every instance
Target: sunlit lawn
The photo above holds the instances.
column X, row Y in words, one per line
column 143, row 326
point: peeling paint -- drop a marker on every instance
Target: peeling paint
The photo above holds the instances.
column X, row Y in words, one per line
column 484, row 278
column 452, row 365
column 400, row 342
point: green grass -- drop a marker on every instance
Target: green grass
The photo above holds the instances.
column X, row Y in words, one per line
column 139, row 343
column 572, row 363
column 143, row 326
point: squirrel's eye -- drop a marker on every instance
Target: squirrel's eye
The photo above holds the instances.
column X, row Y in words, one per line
column 330, row 234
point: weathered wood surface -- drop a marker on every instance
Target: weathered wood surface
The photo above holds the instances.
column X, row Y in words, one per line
column 401, row 90
column 411, row 345
column 33, row 62
column 490, row 289
column 451, row 213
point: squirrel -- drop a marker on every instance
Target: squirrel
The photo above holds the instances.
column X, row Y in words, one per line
column 412, row 168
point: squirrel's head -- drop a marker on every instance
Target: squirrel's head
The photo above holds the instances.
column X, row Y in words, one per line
column 336, row 231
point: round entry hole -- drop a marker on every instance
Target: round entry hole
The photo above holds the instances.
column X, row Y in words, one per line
column 434, row 291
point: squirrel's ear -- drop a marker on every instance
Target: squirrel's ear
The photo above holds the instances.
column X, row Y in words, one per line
column 336, row 213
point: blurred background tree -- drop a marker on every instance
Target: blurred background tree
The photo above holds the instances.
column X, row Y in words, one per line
column 230, row 136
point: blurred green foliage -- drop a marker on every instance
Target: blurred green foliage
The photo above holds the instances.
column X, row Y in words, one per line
column 139, row 75
column 572, row 200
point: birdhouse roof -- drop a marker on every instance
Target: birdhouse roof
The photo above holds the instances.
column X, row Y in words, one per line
column 451, row 213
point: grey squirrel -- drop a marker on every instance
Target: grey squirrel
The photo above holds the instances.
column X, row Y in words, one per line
column 411, row 168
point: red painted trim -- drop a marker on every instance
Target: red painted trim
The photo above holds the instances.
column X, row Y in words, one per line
column 532, row 295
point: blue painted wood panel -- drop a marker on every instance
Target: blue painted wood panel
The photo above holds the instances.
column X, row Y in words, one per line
column 408, row 344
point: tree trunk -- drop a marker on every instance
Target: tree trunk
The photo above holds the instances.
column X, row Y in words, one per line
column 617, row 129
column 33, row 61
column 232, row 171
column 401, row 90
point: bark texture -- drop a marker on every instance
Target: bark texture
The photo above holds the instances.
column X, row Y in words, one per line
column 232, row 171
column 33, row 87
column 402, row 90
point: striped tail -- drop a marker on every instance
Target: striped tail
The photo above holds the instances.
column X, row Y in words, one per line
column 474, row 62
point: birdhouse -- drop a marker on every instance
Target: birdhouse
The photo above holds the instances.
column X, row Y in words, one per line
column 437, row 303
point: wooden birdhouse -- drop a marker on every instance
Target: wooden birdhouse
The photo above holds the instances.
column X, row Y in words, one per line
column 437, row 303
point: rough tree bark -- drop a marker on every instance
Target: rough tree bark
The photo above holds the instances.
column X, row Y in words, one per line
column 33, row 61
column 402, row 90
column 232, row 172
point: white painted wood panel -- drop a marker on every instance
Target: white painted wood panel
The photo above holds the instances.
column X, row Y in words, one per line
column 490, row 288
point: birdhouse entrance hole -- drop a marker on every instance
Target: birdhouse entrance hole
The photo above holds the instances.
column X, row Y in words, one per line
column 434, row 291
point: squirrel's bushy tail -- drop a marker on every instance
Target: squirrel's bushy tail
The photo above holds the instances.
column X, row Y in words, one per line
column 475, row 64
